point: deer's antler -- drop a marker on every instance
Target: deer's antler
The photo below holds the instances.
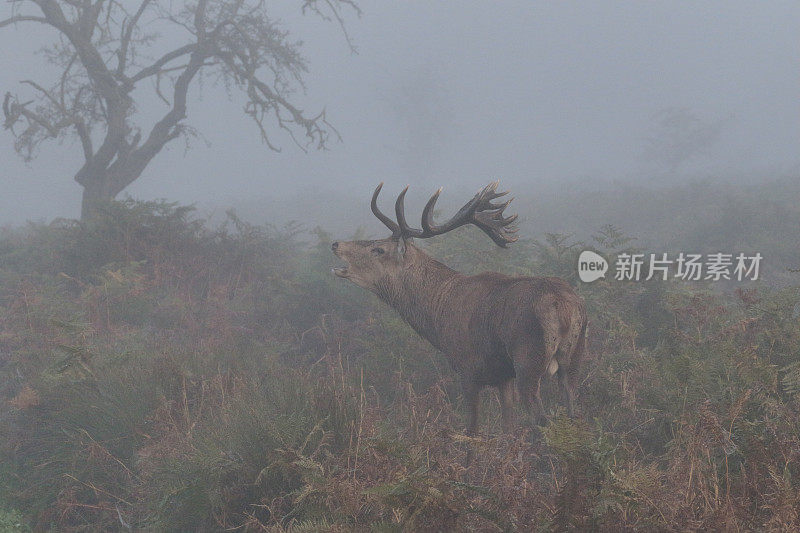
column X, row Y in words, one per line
column 388, row 222
column 479, row 211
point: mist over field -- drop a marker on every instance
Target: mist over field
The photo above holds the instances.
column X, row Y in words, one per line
column 450, row 94
column 205, row 327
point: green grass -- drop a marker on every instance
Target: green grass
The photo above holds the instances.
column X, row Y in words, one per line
column 161, row 373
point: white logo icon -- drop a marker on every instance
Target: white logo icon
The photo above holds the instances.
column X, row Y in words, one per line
column 591, row 266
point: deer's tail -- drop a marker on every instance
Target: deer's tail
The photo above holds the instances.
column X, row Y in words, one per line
column 578, row 353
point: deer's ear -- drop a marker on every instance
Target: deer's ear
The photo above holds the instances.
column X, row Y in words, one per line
column 401, row 247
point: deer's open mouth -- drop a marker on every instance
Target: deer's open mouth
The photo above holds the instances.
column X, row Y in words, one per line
column 340, row 271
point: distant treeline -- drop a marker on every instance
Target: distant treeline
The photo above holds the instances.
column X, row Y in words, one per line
column 702, row 216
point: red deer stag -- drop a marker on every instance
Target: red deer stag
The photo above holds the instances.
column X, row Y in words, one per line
column 492, row 327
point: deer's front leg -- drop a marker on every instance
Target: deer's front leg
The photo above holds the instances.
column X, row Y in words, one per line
column 506, row 391
column 471, row 398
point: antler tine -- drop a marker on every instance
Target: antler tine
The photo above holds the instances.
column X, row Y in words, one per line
column 499, row 207
column 498, row 195
column 400, row 213
column 427, row 213
column 388, row 222
column 490, row 217
column 400, row 210
column 510, row 220
column 498, row 228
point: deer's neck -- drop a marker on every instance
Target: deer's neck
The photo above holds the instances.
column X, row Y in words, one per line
column 419, row 293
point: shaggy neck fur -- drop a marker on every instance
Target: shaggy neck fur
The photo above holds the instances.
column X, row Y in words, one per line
column 418, row 292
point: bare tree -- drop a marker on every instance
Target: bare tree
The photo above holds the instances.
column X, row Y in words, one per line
column 678, row 135
column 106, row 49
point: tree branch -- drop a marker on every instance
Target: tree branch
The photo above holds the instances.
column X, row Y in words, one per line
column 312, row 6
column 86, row 139
column 22, row 18
column 117, row 103
column 269, row 98
column 130, row 165
column 200, row 19
column 125, row 39
column 44, row 91
column 54, row 16
column 156, row 67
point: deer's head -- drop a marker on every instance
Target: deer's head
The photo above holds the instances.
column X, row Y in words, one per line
column 373, row 263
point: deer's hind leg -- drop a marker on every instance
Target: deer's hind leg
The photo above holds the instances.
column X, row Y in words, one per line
column 531, row 361
column 567, row 385
column 569, row 355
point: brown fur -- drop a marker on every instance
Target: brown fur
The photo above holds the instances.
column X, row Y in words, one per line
column 491, row 327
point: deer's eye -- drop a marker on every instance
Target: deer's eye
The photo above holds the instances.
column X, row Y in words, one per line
column 378, row 251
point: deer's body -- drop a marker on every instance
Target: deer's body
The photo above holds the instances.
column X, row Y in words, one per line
column 493, row 328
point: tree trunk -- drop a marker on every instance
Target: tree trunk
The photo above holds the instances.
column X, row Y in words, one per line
column 95, row 193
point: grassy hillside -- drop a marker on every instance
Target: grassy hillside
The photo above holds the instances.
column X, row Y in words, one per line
column 159, row 374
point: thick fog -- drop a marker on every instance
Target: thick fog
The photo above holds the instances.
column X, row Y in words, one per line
column 457, row 93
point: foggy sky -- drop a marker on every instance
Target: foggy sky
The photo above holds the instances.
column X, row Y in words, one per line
column 462, row 92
